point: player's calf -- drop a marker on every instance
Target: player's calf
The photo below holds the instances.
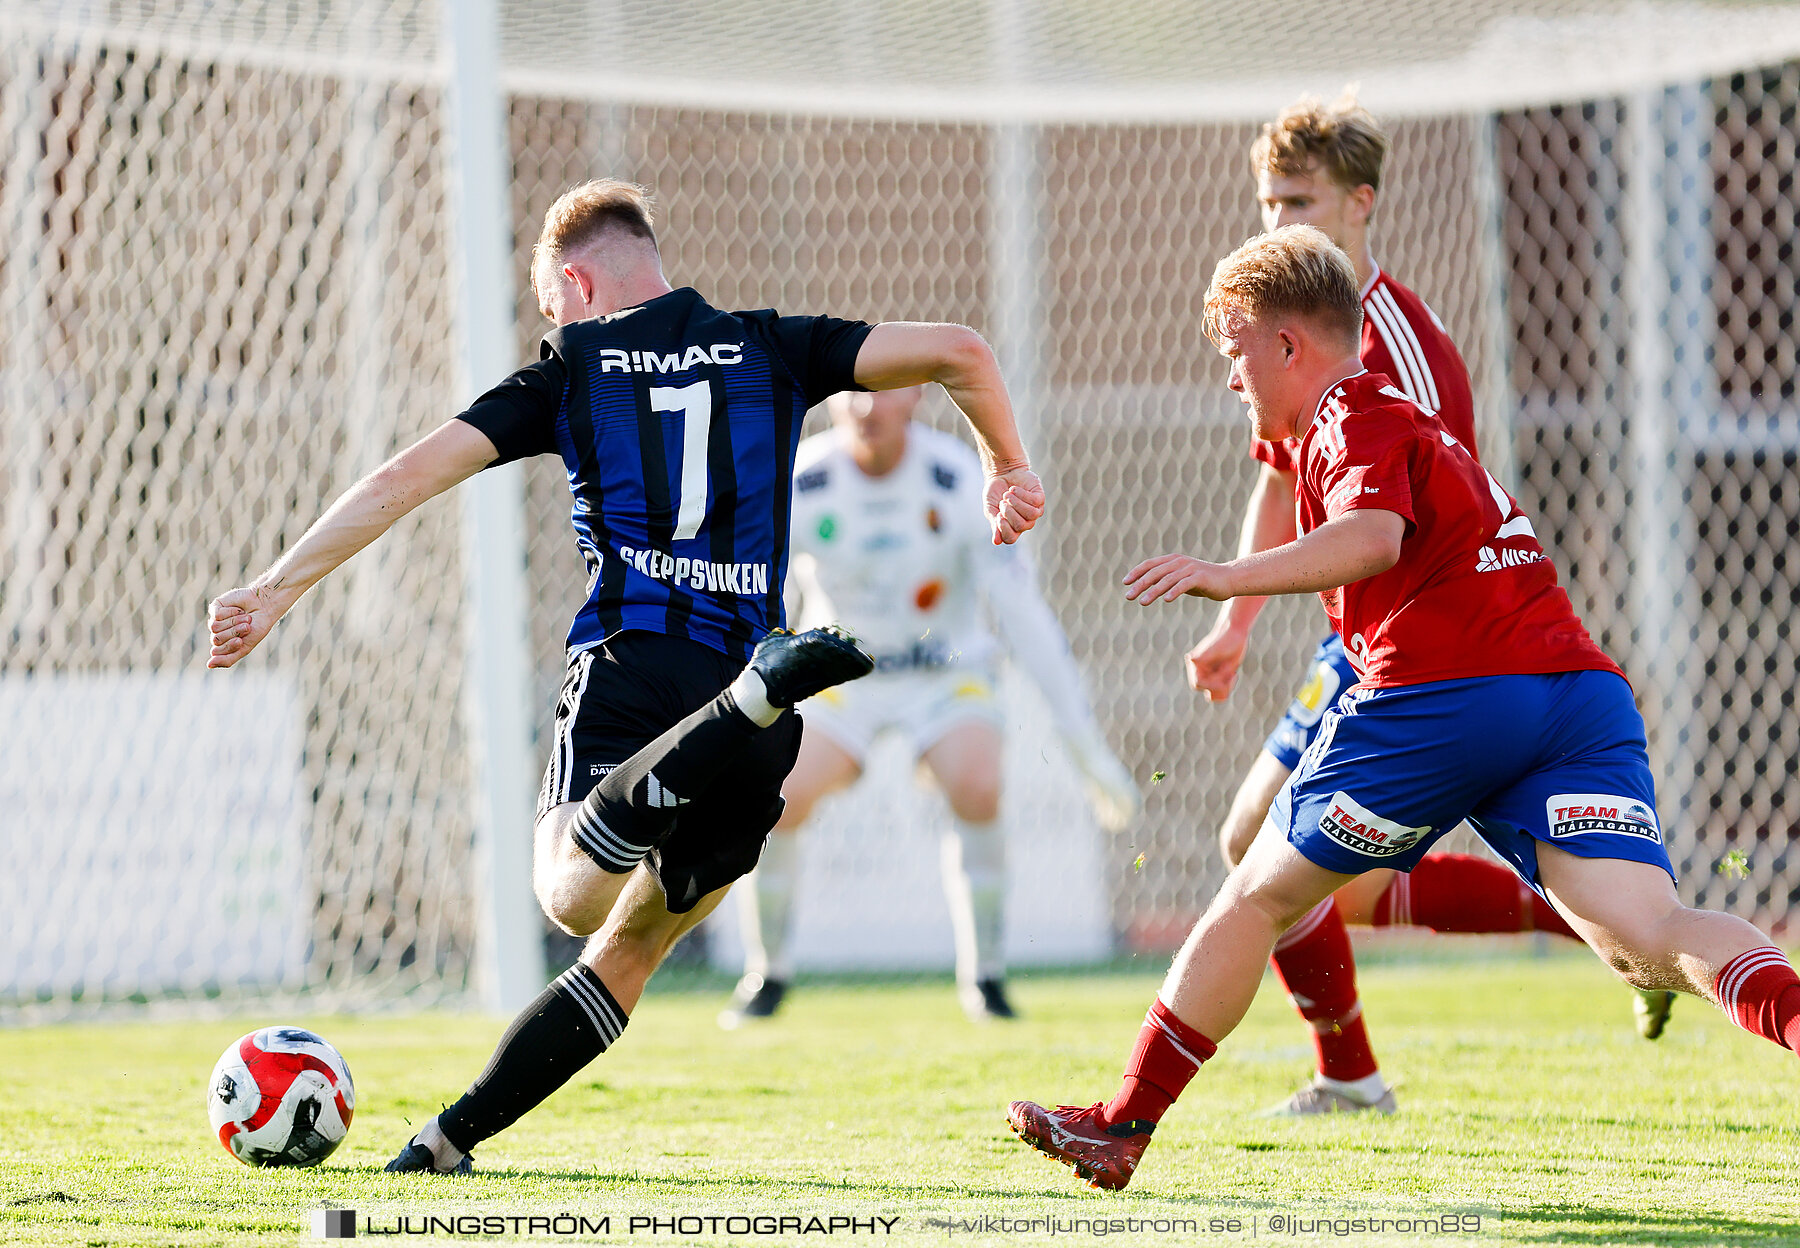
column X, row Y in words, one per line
column 570, row 1023
column 1629, row 914
column 1314, row 962
column 573, row 1021
column 1756, row 987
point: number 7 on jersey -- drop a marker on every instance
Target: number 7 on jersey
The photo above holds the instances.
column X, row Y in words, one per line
column 695, row 405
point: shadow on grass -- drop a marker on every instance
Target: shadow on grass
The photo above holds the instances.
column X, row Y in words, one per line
column 911, row 1190
column 1612, row 1226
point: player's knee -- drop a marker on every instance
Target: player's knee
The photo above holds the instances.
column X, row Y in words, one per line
column 1284, row 908
column 574, row 895
column 1236, row 835
column 571, row 910
column 567, row 917
column 976, row 799
column 549, row 898
column 794, row 814
column 1250, row 807
column 1249, row 889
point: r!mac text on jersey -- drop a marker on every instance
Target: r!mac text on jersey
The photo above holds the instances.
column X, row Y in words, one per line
column 616, row 360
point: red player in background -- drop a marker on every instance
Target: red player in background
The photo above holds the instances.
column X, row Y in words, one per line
column 1482, row 698
column 1321, row 165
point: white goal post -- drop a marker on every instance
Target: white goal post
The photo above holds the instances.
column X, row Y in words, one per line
column 509, row 947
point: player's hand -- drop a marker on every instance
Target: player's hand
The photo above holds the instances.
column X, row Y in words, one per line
column 1111, row 791
column 239, row 619
column 1014, row 500
column 1170, row 576
column 1213, row 665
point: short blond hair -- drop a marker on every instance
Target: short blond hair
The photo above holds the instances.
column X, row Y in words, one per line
column 1341, row 138
column 1293, row 271
column 583, row 214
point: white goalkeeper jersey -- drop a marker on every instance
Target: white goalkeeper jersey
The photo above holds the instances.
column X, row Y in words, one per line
column 906, row 561
column 897, row 558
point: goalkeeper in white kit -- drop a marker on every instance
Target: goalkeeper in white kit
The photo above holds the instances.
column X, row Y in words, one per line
column 889, row 540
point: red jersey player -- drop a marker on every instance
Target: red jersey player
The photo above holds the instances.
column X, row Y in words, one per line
column 1321, row 165
column 1482, row 698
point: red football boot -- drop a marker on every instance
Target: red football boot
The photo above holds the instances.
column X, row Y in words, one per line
column 1104, row 1156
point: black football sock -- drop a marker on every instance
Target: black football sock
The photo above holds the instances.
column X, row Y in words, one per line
column 570, row 1024
column 630, row 811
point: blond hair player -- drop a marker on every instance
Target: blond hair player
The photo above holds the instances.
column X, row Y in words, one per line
column 1481, row 697
column 1321, row 165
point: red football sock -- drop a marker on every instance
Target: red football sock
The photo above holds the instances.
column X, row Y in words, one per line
column 1166, row 1055
column 1759, row 992
column 1463, row 893
column 1314, row 963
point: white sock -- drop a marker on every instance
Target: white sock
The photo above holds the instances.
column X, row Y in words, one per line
column 1364, row 1091
column 974, row 865
column 444, row 1154
column 766, row 907
column 752, row 698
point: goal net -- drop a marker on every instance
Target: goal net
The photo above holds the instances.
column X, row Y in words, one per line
column 227, row 289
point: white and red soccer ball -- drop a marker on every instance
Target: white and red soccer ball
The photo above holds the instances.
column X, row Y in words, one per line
column 281, row 1096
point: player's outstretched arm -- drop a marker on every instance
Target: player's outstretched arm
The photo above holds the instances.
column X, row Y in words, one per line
column 240, row 618
column 1214, row 663
column 1339, row 552
column 910, row 353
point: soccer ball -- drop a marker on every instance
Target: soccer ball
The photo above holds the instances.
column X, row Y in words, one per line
column 281, row 1096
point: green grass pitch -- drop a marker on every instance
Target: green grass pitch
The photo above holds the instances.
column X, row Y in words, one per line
column 1526, row 1099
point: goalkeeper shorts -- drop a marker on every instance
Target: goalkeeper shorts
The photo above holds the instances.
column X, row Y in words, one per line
column 921, row 705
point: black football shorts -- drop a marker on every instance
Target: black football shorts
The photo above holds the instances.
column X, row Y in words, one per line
column 623, row 694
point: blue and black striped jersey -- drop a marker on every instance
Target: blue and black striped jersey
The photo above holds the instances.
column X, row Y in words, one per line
column 678, row 424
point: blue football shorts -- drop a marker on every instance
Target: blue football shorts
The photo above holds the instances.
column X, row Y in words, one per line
column 1327, row 676
column 1558, row 759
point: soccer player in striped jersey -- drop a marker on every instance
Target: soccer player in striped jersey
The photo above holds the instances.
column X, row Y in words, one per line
column 1482, row 698
column 678, row 425
column 1321, row 165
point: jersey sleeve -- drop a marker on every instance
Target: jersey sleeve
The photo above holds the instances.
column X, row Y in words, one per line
column 519, row 415
column 819, row 352
column 1368, row 465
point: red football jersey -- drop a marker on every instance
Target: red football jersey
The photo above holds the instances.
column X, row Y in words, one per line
column 1473, row 593
column 1403, row 339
